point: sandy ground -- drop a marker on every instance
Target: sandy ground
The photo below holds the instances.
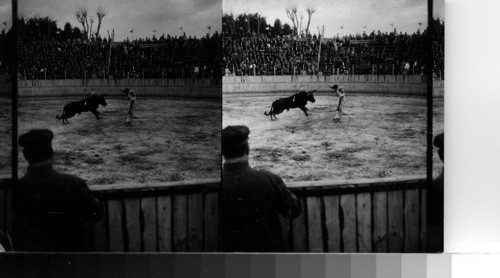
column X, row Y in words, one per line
column 378, row 136
column 169, row 140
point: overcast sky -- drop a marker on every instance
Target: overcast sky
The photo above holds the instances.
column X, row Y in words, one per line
column 353, row 15
column 141, row 16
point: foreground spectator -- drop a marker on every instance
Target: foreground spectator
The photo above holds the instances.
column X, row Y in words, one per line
column 436, row 205
column 48, row 206
column 252, row 201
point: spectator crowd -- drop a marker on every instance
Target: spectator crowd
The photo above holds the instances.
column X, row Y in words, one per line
column 376, row 53
column 176, row 57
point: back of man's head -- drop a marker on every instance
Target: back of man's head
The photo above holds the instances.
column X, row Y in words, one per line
column 235, row 141
column 37, row 144
column 439, row 143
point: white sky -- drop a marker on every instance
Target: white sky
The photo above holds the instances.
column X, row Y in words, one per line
column 143, row 16
column 351, row 14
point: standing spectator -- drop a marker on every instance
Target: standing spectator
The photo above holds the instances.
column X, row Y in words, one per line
column 252, row 200
column 435, row 208
column 49, row 207
column 132, row 103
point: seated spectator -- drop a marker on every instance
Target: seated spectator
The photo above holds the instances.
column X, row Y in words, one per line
column 48, row 207
column 252, row 201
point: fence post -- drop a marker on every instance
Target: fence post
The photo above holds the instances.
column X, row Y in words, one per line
column 274, row 69
column 392, row 69
column 373, row 69
column 352, row 72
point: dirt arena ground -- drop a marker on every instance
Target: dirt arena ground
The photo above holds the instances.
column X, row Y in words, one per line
column 378, row 136
column 169, row 140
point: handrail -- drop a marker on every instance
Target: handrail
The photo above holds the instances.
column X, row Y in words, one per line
column 303, row 187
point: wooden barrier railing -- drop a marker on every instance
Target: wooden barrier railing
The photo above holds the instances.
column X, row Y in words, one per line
column 382, row 215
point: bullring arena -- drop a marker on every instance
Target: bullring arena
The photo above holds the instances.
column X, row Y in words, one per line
column 382, row 132
column 175, row 134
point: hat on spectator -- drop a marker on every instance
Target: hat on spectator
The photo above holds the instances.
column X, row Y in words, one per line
column 235, row 140
column 37, row 144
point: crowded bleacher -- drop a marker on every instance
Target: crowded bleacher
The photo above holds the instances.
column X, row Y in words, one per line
column 5, row 51
column 66, row 54
column 268, row 51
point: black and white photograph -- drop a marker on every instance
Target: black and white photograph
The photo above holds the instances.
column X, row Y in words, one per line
column 326, row 105
column 119, row 123
column 6, row 59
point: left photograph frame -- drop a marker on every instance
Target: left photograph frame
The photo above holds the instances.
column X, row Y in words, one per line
column 121, row 107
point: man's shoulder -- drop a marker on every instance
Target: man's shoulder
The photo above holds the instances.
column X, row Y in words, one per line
column 264, row 173
column 69, row 177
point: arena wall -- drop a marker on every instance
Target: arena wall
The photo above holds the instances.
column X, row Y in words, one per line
column 190, row 88
column 384, row 84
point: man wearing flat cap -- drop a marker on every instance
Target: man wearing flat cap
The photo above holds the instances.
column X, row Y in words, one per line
column 48, row 207
column 252, row 200
column 132, row 103
column 339, row 91
column 435, row 197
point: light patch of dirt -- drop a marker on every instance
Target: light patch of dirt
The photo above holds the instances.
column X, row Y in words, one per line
column 169, row 140
column 378, row 136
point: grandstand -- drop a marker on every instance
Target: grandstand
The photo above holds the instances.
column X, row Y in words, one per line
column 170, row 57
column 376, row 53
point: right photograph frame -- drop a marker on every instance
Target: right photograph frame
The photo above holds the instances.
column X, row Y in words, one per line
column 333, row 126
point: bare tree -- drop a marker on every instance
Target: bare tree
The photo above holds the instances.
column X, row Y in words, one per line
column 82, row 17
column 300, row 25
column 100, row 13
column 90, row 28
column 291, row 12
column 310, row 10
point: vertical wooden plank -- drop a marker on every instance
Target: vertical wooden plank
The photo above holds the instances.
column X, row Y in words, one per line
column 423, row 220
column 149, row 238
column 164, row 208
column 348, row 204
column 8, row 209
column 411, row 212
column 396, row 224
column 195, row 222
column 332, row 222
column 211, row 215
column 364, row 222
column 285, row 226
column 115, row 226
column 299, row 231
column 315, row 234
column 380, row 233
column 100, row 236
column 132, row 212
column 3, row 207
column 180, row 223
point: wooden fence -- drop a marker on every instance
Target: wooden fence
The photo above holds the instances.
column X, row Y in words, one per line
column 382, row 215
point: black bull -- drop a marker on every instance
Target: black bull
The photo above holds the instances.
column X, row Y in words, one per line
column 298, row 100
column 89, row 104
